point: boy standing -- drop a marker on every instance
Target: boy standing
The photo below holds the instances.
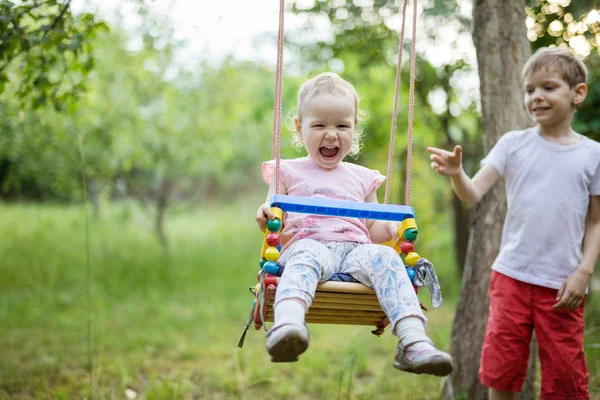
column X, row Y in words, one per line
column 540, row 276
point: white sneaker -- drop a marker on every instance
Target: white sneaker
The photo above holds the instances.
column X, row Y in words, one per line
column 287, row 341
column 423, row 358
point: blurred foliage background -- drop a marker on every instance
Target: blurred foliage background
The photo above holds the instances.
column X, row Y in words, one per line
column 128, row 185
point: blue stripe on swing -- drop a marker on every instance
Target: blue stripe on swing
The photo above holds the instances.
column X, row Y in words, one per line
column 341, row 208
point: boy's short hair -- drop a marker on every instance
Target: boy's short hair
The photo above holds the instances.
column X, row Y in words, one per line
column 566, row 63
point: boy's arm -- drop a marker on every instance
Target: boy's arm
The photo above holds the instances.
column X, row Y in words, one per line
column 380, row 231
column 572, row 291
column 450, row 164
column 264, row 213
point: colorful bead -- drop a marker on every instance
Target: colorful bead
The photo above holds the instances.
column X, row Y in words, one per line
column 407, row 247
column 412, row 274
column 408, row 223
column 273, row 239
column 274, row 225
column 262, row 262
column 271, row 267
column 272, row 254
column 257, row 288
column 270, row 280
column 411, row 234
column 411, row 259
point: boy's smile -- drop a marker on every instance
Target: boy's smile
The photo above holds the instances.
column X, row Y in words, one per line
column 327, row 128
column 549, row 99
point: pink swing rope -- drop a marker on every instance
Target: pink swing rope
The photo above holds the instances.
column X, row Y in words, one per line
column 277, row 109
column 411, row 106
column 276, row 138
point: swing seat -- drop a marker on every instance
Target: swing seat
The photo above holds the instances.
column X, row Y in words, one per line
column 347, row 303
column 341, row 303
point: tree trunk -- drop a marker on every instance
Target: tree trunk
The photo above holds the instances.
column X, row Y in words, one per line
column 461, row 231
column 502, row 48
column 162, row 203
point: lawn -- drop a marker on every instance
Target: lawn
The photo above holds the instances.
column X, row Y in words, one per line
column 105, row 313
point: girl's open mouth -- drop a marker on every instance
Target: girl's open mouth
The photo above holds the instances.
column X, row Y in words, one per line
column 329, row 152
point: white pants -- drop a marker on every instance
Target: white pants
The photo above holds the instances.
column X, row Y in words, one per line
column 308, row 262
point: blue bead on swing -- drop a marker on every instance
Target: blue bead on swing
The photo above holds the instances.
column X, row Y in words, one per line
column 412, row 274
column 270, row 267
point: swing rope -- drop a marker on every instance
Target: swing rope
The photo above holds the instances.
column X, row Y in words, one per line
column 276, row 140
column 277, row 108
column 411, row 104
column 388, row 181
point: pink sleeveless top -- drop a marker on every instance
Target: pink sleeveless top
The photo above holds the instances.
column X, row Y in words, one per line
column 347, row 181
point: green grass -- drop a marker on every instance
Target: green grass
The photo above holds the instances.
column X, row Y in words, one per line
column 130, row 318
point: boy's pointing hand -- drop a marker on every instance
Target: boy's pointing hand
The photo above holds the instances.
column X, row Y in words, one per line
column 444, row 162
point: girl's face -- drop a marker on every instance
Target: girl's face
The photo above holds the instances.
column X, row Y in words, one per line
column 549, row 99
column 327, row 128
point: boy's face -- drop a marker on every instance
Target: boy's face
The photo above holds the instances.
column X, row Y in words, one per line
column 327, row 128
column 549, row 99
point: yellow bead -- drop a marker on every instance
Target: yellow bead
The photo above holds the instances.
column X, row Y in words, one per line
column 412, row 258
column 256, row 288
column 272, row 254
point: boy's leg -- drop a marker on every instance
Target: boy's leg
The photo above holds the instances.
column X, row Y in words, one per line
column 381, row 268
column 306, row 263
column 498, row 395
column 560, row 338
column 505, row 350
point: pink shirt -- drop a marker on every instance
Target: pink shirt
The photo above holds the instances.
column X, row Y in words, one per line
column 347, row 181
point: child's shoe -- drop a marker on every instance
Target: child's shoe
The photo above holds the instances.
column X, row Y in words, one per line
column 287, row 341
column 423, row 358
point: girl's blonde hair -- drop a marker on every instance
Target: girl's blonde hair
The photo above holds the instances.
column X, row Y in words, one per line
column 330, row 83
column 567, row 64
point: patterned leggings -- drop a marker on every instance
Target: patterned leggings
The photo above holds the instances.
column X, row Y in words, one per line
column 308, row 262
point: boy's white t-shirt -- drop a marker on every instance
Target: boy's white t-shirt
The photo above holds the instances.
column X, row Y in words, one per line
column 547, row 190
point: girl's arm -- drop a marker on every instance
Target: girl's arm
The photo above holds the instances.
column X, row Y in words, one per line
column 572, row 291
column 379, row 231
column 264, row 213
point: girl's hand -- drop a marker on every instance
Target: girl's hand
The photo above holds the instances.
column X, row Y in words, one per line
column 444, row 162
column 571, row 293
column 263, row 215
column 393, row 228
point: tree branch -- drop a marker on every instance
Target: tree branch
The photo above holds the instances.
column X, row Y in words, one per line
column 58, row 18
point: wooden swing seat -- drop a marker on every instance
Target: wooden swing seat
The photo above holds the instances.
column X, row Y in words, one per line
column 341, row 303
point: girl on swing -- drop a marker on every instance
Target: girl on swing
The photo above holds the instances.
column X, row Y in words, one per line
column 317, row 247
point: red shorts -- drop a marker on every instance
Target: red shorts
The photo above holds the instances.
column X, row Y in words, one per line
column 516, row 309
